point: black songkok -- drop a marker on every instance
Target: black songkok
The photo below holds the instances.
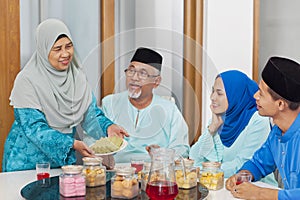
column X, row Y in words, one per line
column 282, row 75
column 148, row 56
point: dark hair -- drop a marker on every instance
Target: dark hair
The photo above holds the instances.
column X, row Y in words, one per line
column 61, row 36
column 275, row 96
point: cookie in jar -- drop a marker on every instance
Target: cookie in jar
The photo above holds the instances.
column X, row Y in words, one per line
column 124, row 183
column 94, row 172
column 71, row 181
column 186, row 173
column 211, row 175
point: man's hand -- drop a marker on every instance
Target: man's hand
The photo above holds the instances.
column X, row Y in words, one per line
column 116, row 130
column 231, row 181
column 152, row 146
column 247, row 190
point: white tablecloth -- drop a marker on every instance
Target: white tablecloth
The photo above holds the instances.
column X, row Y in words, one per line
column 11, row 184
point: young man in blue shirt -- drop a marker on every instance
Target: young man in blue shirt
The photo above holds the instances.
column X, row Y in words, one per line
column 278, row 97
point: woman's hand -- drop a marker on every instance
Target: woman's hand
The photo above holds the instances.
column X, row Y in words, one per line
column 215, row 124
column 83, row 149
column 116, row 130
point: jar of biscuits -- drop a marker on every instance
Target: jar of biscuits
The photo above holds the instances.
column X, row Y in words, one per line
column 94, row 172
column 211, row 175
column 124, row 183
column 186, row 173
column 71, row 181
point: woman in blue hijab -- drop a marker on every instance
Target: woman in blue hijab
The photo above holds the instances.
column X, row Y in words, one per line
column 236, row 130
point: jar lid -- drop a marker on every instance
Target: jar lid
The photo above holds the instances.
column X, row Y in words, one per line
column 92, row 160
column 72, row 169
column 211, row 164
column 187, row 162
column 147, row 166
column 125, row 171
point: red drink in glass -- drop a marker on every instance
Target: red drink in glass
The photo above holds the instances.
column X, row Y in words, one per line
column 165, row 190
column 243, row 177
column 41, row 176
column 238, row 182
column 138, row 166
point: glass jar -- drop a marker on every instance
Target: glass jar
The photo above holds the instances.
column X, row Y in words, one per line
column 188, row 179
column 71, row 181
column 95, row 193
column 145, row 175
column 211, row 175
column 190, row 194
column 94, row 172
column 124, row 183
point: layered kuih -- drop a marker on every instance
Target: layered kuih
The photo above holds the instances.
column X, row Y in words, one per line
column 107, row 145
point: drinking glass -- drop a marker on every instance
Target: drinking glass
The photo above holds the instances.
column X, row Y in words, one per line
column 42, row 170
column 138, row 163
column 243, row 177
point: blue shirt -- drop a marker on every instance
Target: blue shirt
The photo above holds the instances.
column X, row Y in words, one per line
column 31, row 139
column 159, row 123
column 281, row 151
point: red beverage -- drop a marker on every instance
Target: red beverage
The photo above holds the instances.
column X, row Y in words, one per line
column 41, row 176
column 162, row 190
column 138, row 166
column 238, row 182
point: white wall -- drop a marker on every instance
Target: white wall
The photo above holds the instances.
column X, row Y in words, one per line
column 279, row 30
column 228, row 42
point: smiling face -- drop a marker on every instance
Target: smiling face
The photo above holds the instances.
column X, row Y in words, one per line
column 266, row 105
column 61, row 54
column 139, row 87
column 219, row 102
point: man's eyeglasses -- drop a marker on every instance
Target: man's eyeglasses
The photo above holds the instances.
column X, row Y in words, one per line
column 141, row 74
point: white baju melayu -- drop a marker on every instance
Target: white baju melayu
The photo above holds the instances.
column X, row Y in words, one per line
column 159, row 123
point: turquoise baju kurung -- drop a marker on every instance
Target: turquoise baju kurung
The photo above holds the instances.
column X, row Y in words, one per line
column 31, row 139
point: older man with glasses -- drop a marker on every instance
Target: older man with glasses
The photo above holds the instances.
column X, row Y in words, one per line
column 148, row 118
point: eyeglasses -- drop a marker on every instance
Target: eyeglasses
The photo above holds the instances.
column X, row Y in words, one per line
column 141, row 74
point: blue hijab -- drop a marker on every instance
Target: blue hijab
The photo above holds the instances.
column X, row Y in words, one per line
column 241, row 105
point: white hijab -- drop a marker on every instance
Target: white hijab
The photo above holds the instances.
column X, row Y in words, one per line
column 63, row 96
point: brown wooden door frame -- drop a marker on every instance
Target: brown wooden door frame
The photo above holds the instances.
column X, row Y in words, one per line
column 107, row 47
column 255, row 56
column 9, row 63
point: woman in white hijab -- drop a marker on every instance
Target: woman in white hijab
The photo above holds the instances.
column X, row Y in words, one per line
column 51, row 96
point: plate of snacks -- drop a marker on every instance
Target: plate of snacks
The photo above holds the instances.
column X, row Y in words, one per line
column 108, row 145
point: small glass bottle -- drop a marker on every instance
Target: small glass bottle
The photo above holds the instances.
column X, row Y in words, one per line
column 124, row 183
column 188, row 179
column 94, row 172
column 211, row 175
column 71, row 181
